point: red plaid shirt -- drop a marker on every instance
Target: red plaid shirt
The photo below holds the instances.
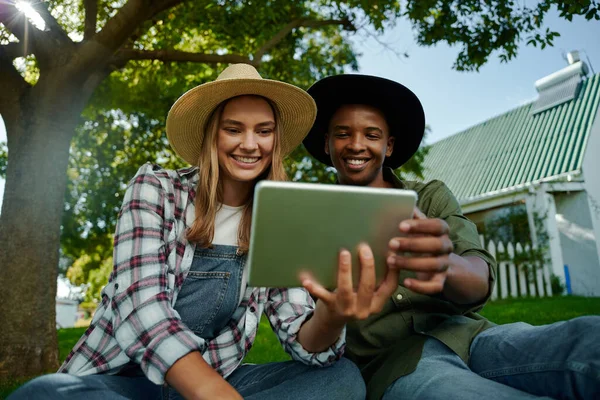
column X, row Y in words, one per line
column 135, row 320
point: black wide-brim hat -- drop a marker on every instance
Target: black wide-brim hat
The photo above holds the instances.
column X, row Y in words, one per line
column 402, row 110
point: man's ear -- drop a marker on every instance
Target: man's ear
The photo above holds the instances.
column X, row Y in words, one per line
column 390, row 146
column 327, row 143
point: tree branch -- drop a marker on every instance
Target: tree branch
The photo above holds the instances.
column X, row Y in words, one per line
column 176, row 55
column 51, row 22
column 124, row 55
column 45, row 42
column 298, row 23
column 16, row 22
column 10, row 79
column 13, row 86
column 163, row 5
column 91, row 18
column 125, row 22
column 14, row 50
column 385, row 45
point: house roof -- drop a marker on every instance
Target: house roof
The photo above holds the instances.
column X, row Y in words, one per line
column 516, row 148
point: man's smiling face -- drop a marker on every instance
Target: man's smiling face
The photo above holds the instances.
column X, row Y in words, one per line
column 358, row 141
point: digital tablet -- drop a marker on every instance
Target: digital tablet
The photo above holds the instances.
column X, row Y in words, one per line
column 302, row 227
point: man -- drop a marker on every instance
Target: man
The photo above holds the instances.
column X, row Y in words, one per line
column 428, row 342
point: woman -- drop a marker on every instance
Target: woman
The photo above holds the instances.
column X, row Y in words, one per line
column 177, row 311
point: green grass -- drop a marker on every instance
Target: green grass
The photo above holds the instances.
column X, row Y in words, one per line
column 267, row 348
column 67, row 338
column 541, row 311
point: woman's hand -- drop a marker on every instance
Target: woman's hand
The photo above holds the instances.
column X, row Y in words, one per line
column 346, row 304
column 335, row 309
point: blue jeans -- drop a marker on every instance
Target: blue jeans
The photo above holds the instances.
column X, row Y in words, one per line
column 281, row 380
column 214, row 282
column 514, row 361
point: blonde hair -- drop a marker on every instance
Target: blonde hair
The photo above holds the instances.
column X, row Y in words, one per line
column 209, row 193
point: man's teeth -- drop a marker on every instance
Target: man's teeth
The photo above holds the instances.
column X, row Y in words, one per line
column 248, row 160
column 355, row 162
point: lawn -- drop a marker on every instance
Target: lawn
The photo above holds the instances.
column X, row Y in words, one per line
column 266, row 347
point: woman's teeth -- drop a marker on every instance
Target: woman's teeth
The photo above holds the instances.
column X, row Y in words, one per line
column 247, row 160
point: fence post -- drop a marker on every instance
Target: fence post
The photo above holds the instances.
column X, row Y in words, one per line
column 492, row 250
column 539, row 275
column 502, row 273
column 530, row 275
column 547, row 280
column 521, row 267
column 512, row 272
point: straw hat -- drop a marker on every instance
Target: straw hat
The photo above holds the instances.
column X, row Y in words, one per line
column 189, row 115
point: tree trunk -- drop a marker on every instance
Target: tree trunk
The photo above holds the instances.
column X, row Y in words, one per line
column 38, row 143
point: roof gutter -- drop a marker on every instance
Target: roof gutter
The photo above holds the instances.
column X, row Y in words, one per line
column 569, row 176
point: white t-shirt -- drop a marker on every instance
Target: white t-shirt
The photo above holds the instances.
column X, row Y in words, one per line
column 227, row 222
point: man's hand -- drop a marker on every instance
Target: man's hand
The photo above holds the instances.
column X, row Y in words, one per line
column 346, row 304
column 430, row 250
column 462, row 280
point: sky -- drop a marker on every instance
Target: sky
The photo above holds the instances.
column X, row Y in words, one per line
column 454, row 101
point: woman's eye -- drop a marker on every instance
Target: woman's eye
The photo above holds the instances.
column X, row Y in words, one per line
column 266, row 131
column 232, row 130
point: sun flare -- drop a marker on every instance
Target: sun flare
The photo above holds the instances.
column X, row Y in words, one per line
column 29, row 12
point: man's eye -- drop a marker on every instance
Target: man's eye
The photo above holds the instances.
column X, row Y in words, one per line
column 341, row 134
column 373, row 137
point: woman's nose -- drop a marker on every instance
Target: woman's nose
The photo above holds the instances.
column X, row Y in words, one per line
column 249, row 142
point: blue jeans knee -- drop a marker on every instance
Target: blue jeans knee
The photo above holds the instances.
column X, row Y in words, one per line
column 347, row 382
column 43, row 387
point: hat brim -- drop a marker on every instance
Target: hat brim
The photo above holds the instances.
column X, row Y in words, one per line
column 187, row 119
column 402, row 110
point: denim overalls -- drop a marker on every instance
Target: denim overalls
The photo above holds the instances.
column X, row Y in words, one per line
column 210, row 293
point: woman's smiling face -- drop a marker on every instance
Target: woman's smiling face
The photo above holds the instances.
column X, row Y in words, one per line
column 246, row 138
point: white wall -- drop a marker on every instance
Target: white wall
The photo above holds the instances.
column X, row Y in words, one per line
column 591, row 173
column 66, row 313
column 541, row 202
column 578, row 242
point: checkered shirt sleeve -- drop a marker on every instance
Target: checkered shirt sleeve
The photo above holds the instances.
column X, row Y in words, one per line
column 287, row 310
column 145, row 325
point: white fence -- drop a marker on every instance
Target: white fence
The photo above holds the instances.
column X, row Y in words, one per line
column 517, row 278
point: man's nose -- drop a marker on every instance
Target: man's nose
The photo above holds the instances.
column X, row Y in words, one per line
column 356, row 144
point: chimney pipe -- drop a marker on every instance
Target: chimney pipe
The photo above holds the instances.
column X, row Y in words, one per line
column 573, row 57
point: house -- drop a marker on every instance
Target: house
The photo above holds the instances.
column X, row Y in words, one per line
column 68, row 297
column 66, row 313
column 543, row 157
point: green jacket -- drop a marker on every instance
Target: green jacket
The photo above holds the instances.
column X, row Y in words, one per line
column 388, row 345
